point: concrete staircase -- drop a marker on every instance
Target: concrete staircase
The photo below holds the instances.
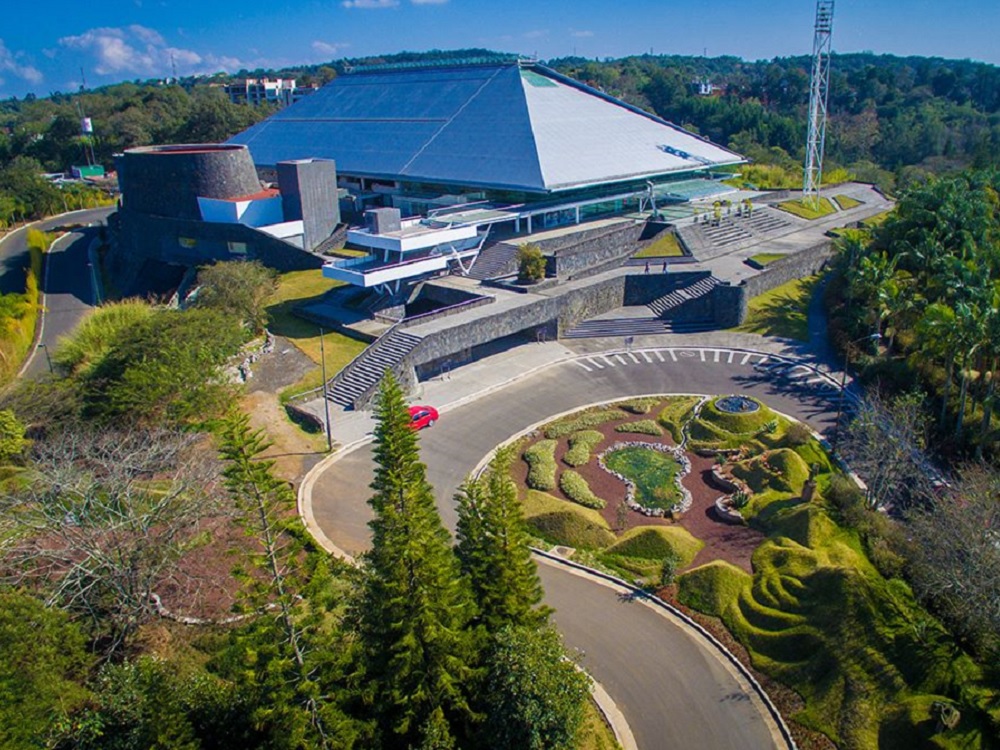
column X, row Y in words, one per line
column 621, row 327
column 662, row 306
column 732, row 233
column 354, row 385
column 499, row 259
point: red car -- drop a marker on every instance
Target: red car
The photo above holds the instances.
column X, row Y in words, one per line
column 422, row 416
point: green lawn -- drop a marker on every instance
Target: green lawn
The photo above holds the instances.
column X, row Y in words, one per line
column 294, row 289
column 807, row 211
column 874, row 221
column 652, row 472
column 846, row 202
column 664, row 246
column 783, row 311
column 765, row 259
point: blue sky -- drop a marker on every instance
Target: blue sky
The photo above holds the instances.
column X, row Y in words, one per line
column 44, row 46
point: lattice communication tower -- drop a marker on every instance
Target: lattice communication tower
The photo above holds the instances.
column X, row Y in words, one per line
column 819, row 92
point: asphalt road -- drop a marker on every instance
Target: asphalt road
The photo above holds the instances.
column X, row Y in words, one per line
column 670, row 686
column 66, row 278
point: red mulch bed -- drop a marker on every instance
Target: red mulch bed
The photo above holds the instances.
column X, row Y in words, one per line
column 723, row 541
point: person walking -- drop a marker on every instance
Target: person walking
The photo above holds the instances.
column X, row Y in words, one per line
column 647, row 267
column 664, row 266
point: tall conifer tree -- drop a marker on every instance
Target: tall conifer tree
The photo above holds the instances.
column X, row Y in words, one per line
column 493, row 549
column 414, row 607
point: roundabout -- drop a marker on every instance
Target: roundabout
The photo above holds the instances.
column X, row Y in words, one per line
column 674, row 688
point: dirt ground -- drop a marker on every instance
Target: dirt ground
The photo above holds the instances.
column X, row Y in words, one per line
column 723, row 541
column 294, row 451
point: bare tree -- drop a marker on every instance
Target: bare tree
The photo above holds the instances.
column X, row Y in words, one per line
column 101, row 519
column 885, row 444
column 955, row 557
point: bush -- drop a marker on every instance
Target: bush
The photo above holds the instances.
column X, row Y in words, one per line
column 668, row 568
column 675, row 415
column 569, row 528
column 97, row 333
column 575, row 487
column 530, row 264
column 642, row 427
column 240, row 288
column 541, row 461
column 580, row 446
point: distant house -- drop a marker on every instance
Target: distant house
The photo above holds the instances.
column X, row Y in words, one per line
column 256, row 91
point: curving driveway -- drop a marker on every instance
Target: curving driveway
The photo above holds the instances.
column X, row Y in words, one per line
column 673, row 689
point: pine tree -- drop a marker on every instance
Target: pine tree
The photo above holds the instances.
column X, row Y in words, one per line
column 287, row 651
column 493, row 549
column 414, row 607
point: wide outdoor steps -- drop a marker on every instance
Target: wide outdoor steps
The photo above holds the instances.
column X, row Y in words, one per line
column 618, row 327
column 367, row 370
column 499, row 259
column 671, row 301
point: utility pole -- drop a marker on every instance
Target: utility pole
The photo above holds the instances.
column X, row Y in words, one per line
column 819, row 94
column 326, row 401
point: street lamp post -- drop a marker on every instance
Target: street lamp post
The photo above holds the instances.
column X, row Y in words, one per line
column 843, row 384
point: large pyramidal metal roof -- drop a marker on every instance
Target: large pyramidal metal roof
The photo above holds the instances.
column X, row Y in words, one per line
column 502, row 126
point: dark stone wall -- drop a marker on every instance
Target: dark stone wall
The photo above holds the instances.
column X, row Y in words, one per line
column 167, row 180
column 730, row 303
column 595, row 248
column 159, row 238
column 643, row 288
column 309, row 192
column 804, row 263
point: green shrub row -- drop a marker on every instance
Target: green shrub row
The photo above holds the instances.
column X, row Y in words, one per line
column 580, row 446
column 584, row 421
column 575, row 487
column 541, row 461
column 642, row 427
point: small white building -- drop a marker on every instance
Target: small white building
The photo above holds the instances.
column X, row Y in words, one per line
column 257, row 91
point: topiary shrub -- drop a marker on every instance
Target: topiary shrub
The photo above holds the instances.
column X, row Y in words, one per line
column 642, row 427
column 575, row 487
column 797, row 434
column 541, row 461
column 580, row 446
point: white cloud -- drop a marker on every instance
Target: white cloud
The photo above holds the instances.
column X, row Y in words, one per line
column 329, row 50
column 140, row 50
column 581, row 34
column 11, row 62
column 535, row 34
column 428, row 2
column 370, row 3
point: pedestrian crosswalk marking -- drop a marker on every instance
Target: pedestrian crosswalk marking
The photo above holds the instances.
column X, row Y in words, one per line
column 595, row 363
column 608, row 360
column 621, row 359
column 730, row 360
column 673, row 355
column 702, row 353
column 583, row 365
column 634, row 358
column 659, row 355
column 746, row 357
column 645, row 355
column 717, row 353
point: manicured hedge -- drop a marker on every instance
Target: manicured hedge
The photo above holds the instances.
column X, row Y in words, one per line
column 642, row 427
column 541, row 461
column 575, row 487
column 580, row 446
column 584, row 421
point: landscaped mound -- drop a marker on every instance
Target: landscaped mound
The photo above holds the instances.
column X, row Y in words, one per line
column 780, row 472
column 656, row 542
column 822, row 620
column 717, row 430
column 559, row 522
